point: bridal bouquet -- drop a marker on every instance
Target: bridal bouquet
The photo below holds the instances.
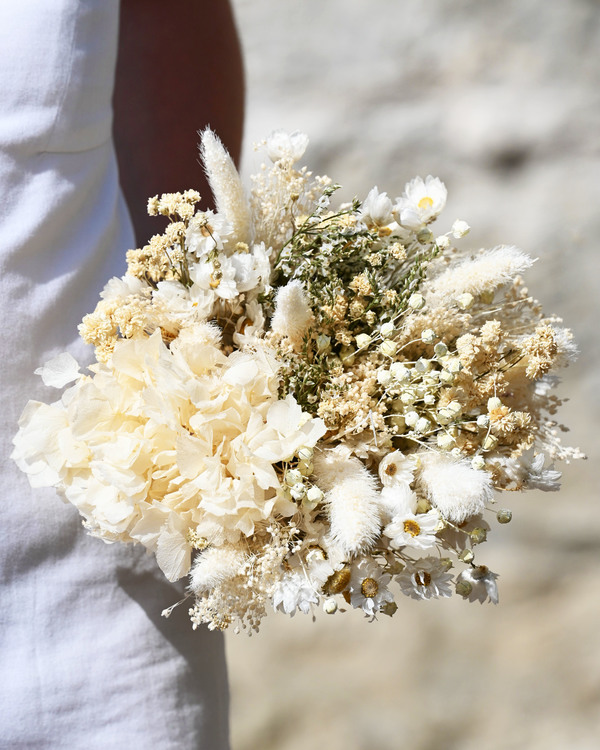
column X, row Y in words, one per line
column 299, row 404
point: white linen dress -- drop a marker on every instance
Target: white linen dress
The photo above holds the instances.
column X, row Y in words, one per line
column 86, row 661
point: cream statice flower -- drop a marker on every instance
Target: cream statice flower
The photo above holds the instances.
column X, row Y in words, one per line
column 428, row 578
column 368, row 586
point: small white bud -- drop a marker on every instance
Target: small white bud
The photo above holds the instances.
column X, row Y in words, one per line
column 440, row 349
column 428, row 336
column 292, row 476
column 494, row 403
column 445, row 441
column 416, row 301
column 504, row 515
column 483, row 421
column 465, row 301
column 444, row 416
column 387, row 330
column 429, row 399
column 388, row 348
column 460, row 229
column 443, row 241
column 446, row 377
column 425, row 235
column 330, row 606
column 489, row 442
column 306, row 468
column 452, row 364
column 363, row 340
column 323, row 343
column 466, row 556
column 422, row 425
column 456, row 452
column 455, row 408
column 314, row 494
column 411, row 418
column 422, row 365
column 347, row 355
column 478, row 462
column 384, row 377
column 305, row 454
column 464, row 588
column 400, row 372
column 408, row 397
column 298, row 491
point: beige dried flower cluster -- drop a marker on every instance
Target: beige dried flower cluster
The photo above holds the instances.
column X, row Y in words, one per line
column 298, row 404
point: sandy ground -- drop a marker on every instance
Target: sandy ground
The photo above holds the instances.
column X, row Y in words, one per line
column 501, row 101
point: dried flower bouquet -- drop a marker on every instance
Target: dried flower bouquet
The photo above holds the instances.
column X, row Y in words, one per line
column 297, row 404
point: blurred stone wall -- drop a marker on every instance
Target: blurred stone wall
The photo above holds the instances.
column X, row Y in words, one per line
column 501, row 100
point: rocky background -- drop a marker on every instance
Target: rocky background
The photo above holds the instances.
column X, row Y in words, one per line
column 501, row 100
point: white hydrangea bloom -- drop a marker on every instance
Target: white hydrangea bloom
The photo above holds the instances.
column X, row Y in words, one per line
column 59, row 371
column 162, row 439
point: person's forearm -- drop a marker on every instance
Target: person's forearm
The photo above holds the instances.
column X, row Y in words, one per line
column 179, row 69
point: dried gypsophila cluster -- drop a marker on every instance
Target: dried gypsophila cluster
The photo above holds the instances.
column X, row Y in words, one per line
column 298, row 404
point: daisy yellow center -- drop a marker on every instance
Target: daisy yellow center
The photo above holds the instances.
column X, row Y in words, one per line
column 412, row 528
column 422, row 578
column 369, row 588
column 425, row 202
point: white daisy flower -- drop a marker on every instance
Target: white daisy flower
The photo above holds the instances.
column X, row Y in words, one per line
column 376, row 208
column 207, row 231
column 368, row 586
column 427, row 578
column 283, row 145
column 396, row 500
column 410, row 530
column 202, row 274
column 396, row 469
column 422, row 202
column 294, row 591
column 483, row 583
